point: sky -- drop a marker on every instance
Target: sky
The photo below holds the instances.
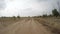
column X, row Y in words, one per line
column 28, row 7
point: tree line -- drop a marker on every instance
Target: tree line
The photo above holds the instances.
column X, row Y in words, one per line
column 54, row 13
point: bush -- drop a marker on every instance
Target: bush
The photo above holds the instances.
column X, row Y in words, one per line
column 55, row 12
column 14, row 17
column 18, row 16
column 45, row 15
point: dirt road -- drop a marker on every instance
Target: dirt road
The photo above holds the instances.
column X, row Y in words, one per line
column 26, row 26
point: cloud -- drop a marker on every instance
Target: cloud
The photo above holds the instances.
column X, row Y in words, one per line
column 2, row 4
column 27, row 7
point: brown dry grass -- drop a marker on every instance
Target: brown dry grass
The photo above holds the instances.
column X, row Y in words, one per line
column 53, row 23
column 5, row 21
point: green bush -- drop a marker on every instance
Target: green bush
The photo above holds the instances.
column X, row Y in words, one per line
column 55, row 12
column 18, row 16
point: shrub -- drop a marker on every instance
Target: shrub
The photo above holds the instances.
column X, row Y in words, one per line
column 18, row 16
column 55, row 12
column 14, row 17
column 45, row 15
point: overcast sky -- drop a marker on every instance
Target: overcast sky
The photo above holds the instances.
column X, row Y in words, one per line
column 27, row 7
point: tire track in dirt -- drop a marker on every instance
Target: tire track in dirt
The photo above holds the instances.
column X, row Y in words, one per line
column 39, row 28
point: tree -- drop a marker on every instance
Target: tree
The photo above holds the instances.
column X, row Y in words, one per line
column 18, row 16
column 14, row 17
column 55, row 12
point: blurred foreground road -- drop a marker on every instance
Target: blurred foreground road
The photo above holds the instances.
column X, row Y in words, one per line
column 25, row 26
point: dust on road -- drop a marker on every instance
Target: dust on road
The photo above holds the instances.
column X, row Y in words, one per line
column 26, row 26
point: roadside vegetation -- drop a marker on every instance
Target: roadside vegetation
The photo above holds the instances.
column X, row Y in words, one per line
column 51, row 21
column 5, row 21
